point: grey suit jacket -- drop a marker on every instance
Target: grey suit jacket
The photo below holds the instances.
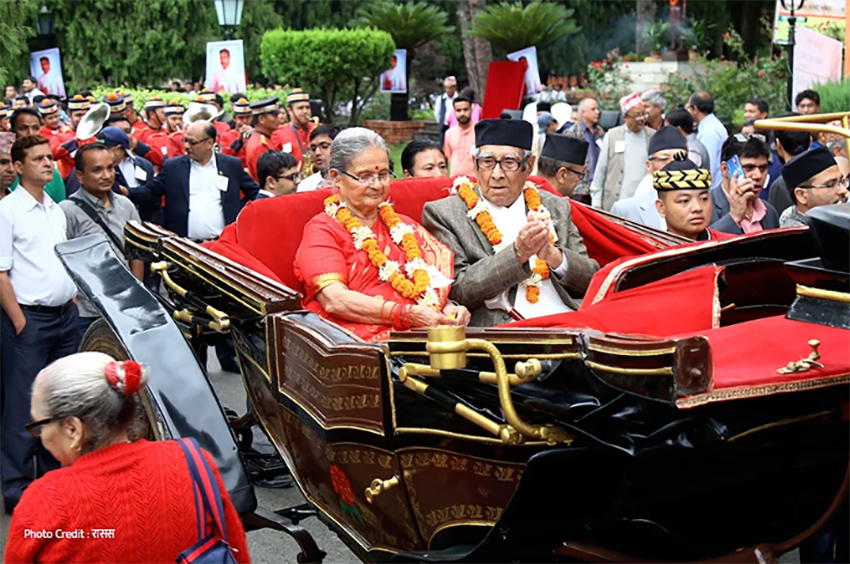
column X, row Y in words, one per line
column 641, row 209
column 721, row 220
column 481, row 275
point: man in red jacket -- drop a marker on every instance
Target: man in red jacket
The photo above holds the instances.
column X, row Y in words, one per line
column 53, row 130
column 266, row 119
column 294, row 137
column 235, row 141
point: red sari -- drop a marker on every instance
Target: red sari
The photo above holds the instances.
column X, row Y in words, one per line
column 327, row 255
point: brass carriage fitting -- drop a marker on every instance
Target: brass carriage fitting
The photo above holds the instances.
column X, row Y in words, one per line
column 447, row 347
column 805, row 364
column 378, row 487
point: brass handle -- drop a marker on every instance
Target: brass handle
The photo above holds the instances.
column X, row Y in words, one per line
column 220, row 321
column 378, row 487
column 805, row 364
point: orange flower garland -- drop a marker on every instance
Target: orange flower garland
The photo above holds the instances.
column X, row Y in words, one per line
column 419, row 288
column 478, row 211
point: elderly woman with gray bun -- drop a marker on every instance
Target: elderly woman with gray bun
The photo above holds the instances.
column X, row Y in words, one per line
column 114, row 500
column 365, row 267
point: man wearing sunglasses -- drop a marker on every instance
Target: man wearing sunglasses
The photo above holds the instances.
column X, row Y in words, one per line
column 736, row 206
column 814, row 179
column 491, row 279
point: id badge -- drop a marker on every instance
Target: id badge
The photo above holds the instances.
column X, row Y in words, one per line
column 222, row 183
column 620, row 146
column 141, row 175
column 287, row 148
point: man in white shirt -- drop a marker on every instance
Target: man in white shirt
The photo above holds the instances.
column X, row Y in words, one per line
column 30, row 89
column 710, row 131
column 443, row 106
column 50, row 82
column 321, row 140
column 39, row 321
column 227, row 78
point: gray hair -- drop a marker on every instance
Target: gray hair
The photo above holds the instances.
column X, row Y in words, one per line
column 351, row 142
column 584, row 103
column 654, row 97
column 76, row 386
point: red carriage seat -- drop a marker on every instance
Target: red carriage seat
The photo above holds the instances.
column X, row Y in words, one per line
column 266, row 235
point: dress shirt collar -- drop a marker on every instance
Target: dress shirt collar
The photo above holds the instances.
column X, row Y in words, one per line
column 210, row 164
column 30, row 202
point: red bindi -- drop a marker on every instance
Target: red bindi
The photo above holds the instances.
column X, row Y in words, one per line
column 376, row 168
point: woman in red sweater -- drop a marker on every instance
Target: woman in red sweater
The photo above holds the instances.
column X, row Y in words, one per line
column 113, row 500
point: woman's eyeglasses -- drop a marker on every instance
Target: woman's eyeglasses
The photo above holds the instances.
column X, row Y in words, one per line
column 370, row 179
column 34, row 427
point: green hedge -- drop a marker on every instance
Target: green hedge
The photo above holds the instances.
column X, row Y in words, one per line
column 141, row 95
column 339, row 65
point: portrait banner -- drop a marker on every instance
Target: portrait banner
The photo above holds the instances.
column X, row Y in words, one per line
column 226, row 67
column 394, row 79
column 46, row 67
column 532, row 73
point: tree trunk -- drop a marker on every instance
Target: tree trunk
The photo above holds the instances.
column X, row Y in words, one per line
column 645, row 15
column 477, row 52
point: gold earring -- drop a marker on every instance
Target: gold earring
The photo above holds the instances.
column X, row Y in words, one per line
column 76, row 447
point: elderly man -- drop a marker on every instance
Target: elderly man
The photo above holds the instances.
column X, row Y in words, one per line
column 814, row 179
column 623, row 153
column 655, row 104
column 532, row 257
column 587, row 128
column 562, row 162
column 664, row 146
column 443, row 106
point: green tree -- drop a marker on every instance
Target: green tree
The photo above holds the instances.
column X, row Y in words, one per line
column 125, row 42
column 342, row 65
column 512, row 26
column 16, row 26
column 258, row 17
column 411, row 25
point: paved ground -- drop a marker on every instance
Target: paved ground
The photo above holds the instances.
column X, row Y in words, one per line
column 268, row 546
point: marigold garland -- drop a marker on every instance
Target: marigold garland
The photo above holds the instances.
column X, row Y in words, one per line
column 478, row 212
column 416, row 283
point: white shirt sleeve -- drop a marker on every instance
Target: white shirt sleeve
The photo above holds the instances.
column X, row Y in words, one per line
column 561, row 271
column 599, row 175
column 6, row 225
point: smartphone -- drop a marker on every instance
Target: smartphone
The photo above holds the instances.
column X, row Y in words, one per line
column 733, row 165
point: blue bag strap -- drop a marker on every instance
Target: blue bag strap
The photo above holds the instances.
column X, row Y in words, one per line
column 204, row 486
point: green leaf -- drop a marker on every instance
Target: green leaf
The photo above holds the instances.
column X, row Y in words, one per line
column 512, row 26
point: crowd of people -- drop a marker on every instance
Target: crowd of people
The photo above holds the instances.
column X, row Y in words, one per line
column 677, row 170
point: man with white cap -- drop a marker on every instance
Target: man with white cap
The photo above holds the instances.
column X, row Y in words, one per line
column 443, row 106
column 621, row 160
column 516, row 250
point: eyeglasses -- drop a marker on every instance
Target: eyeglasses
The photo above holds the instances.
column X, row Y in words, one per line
column 831, row 185
column 508, row 164
column 371, row 179
column 192, row 142
column 744, row 137
column 644, row 115
column 34, row 427
column 323, row 146
column 664, row 159
column 580, row 174
column 295, row 177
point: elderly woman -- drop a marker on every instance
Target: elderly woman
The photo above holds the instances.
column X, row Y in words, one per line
column 139, row 492
column 364, row 266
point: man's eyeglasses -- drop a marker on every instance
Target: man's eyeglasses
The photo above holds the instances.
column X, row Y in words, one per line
column 192, row 142
column 508, row 164
column 34, row 427
column 323, row 146
column 579, row 174
column 663, row 159
column 370, row 179
column 831, row 185
column 295, row 177
column 638, row 117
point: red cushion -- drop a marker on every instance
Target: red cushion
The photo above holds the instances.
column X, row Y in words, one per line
column 270, row 230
